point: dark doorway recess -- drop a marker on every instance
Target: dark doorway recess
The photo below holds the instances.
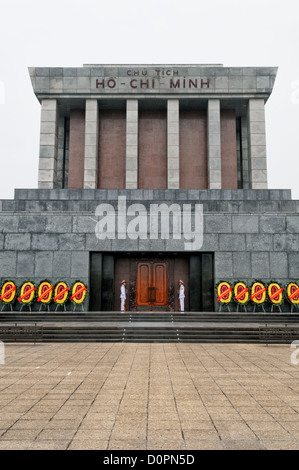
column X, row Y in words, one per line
column 152, row 281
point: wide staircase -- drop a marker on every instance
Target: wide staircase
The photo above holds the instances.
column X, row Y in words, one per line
column 64, row 326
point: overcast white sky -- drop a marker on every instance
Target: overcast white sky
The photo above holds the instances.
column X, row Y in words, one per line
column 60, row 33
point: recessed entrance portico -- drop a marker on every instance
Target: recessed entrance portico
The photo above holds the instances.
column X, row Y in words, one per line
column 152, row 281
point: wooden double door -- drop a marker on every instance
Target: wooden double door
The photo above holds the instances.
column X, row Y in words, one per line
column 152, row 285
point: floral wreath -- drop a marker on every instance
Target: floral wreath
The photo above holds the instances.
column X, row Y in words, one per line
column 78, row 292
column 275, row 293
column 8, row 292
column 27, row 293
column 292, row 290
column 240, row 293
column 61, row 293
column 45, row 292
column 258, row 292
column 224, row 292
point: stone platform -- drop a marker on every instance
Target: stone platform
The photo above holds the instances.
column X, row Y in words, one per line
column 117, row 396
column 149, row 327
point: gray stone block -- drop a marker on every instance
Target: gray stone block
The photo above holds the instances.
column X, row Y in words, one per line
column 124, row 245
column 278, row 265
column 56, row 72
column 56, row 206
column 193, row 195
column 223, row 265
column 94, row 244
column 71, row 241
column 9, row 223
column 44, row 264
column 44, row 241
column 59, row 224
column 17, row 241
column 293, row 259
column 210, row 242
column 293, row 223
column 260, row 265
column 85, row 206
column 8, row 263
column 288, row 206
column 101, row 195
column 35, row 206
column 232, row 242
column 9, row 205
column 217, row 223
column 84, row 223
column 247, row 207
column 62, row 264
column 242, row 266
column 32, row 223
column 21, row 194
column 229, row 207
column 272, row 224
column 286, row 242
column 25, row 264
column 245, row 223
column 269, row 207
column 259, row 242
column 79, row 264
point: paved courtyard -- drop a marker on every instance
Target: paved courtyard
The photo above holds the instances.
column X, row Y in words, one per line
column 148, row 396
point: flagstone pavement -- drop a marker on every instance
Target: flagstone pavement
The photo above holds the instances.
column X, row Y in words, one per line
column 172, row 396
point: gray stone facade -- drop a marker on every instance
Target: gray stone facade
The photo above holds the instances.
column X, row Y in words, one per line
column 254, row 234
column 95, row 87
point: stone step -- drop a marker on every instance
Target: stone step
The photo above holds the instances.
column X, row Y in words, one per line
column 151, row 333
column 147, row 317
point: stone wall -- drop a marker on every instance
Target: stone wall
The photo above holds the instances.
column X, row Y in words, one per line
column 254, row 234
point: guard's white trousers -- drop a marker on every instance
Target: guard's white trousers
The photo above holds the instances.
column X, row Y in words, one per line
column 182, row 303
column 122, row 304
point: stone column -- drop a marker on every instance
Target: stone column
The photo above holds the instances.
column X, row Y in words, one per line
column 257, row 144
column 132, row 144
column 214, row 144
column 173, row 150
column 60, row 153
column 91, row 144
column 244, row 147
column 47, row 172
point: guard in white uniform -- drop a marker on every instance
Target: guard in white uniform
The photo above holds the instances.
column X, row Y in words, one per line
column 123, row 296
column 182, row 295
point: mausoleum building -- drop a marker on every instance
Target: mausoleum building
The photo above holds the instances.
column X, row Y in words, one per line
column 151, row 174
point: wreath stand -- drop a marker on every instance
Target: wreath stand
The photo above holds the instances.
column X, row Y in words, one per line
column 41, row 307
column 59, row 305
column 221, row 305
column 274, row 305
column 259, row 305
column 242, row 305
column 23, row 305
column 75, row 307
column 4, row 305
column 294, row 306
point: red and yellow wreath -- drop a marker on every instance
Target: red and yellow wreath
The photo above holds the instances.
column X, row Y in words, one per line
column 241, row 292
column 8, row 292
column 27, row 293
column 275, row 293
column 224, row 292
column 258, row 294
column 45, row 292
column 293, row 292
column 61, row 292
column 78, row 292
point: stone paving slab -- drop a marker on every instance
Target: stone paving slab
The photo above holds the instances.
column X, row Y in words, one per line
column 119, row 396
